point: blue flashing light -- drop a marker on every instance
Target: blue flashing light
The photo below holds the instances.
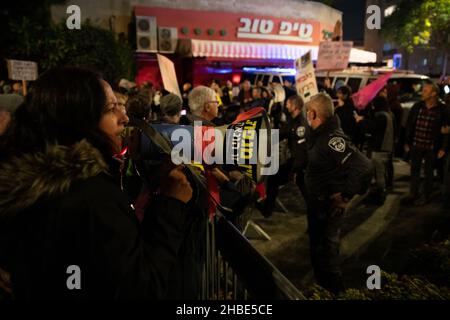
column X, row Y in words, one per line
column 290, row 71
column 219, row 70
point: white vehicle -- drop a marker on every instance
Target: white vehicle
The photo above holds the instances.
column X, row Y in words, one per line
column 356, row 77
column 410, row 84
column 268, row 75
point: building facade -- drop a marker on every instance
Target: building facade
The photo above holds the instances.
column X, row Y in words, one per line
column 215, row 38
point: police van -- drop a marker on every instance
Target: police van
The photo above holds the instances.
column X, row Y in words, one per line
column 268, row 75
column 410, row 84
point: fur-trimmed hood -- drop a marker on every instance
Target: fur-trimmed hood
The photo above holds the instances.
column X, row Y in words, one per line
column 48, row 174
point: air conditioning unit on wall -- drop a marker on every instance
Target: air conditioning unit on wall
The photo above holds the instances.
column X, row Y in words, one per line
column 146, row 34
column 167, row 39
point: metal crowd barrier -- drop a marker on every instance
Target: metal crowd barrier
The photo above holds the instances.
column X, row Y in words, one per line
column 235, row 270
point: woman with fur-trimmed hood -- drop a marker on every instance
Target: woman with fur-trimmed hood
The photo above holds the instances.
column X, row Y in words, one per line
column 67, row 231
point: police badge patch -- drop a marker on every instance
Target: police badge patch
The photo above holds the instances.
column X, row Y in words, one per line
column 300, row 131
column 337, row 144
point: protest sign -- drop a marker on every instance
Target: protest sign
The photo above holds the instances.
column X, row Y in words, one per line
column 22, row 70
column 362, row 98
column 333, row 55
column 305, row 79
column 168, row 75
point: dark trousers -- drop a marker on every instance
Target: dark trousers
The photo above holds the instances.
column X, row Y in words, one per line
column 440, row 169
column 380, row 162
column 429, row 156
column 324, row 239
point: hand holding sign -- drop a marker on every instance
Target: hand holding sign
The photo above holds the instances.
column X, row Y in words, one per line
column 22, row 70
column 305, row 80
column 168, row 74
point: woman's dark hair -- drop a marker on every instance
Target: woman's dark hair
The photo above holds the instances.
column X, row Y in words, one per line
column 65, row 106
column 264, row 90
column 380, row 103
column 345, row 90
column 392, row 93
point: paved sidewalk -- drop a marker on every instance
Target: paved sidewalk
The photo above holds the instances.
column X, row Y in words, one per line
column 369, row 232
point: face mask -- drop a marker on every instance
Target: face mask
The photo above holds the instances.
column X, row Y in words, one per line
column 308, row 120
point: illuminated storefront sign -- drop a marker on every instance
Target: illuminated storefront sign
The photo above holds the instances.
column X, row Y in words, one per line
column 267, row 29
column 201, row 33
column 238, row 27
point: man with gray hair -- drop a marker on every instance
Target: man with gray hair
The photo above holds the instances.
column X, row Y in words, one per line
column 203, row 104
column 336, row 171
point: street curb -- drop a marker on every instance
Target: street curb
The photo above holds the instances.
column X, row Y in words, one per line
column 364, row 234
column 358, row 239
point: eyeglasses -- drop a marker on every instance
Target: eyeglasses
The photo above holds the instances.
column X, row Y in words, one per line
column 215, row 101
column 115, row 107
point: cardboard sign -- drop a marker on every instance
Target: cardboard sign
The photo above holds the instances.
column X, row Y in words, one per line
column 305, row 79
column 333, row 55
column 22, row 70
column 363, row 97
column 168, row 75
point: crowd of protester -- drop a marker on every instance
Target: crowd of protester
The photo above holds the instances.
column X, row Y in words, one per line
column 68, row 188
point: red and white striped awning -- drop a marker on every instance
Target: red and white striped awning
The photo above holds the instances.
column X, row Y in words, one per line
column 229, row 49
column 253, row 50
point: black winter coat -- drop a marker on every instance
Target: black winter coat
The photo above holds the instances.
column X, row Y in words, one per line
column 381, row 128
column 297, row 132
column 61, row 208
column 347, row 120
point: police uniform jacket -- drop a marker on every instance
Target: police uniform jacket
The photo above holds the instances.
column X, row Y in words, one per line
column 335, row 164
column 297, row 132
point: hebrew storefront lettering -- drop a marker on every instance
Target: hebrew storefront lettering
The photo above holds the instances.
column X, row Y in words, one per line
column 267, row 29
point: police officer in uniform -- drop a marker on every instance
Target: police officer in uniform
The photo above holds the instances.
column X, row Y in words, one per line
column 336, row 171
column 296, row 132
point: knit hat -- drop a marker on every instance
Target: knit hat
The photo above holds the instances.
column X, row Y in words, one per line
column 10, row 102
column 171, row 104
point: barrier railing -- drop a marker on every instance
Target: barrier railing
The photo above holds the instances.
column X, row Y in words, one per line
column 235, row 270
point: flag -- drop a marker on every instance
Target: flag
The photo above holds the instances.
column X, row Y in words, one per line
column 362, row 98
